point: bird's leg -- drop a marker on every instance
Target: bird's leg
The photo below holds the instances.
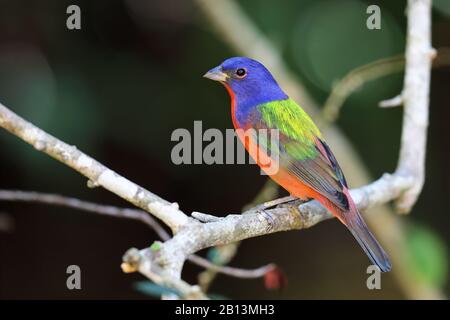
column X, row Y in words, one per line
column 273, row 203
column 276, row 202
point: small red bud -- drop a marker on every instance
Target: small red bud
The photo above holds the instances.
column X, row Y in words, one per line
column 275, row 279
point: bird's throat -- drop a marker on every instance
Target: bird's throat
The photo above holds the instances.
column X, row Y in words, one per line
column 233, row 104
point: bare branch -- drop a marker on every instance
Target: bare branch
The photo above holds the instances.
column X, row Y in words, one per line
column 234, row 272
column 134, row 260
column 127, row 213
column 69, row 202
column 203, row 217
column 393, row 102
column 356, row 79
column 252, row 223
column 98, row 174
column 416, row 90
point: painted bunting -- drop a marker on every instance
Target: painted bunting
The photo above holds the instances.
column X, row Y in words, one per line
column 307, row 167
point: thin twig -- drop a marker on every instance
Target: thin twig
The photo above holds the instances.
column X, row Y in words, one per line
column 74, row 203
column 234, row 272
column 393, row 102
column 116, row 212
column 356, row 78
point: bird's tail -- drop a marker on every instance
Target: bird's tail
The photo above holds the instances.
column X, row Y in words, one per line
column 353, row 220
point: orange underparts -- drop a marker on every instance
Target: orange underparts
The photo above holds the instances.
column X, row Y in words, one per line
column 283, row 177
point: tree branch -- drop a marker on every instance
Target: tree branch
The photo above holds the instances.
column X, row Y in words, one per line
column 127, row 213
column 195, row 236
column 355, row 79
column 98, row 174
column 373, row 70
column 416, row 91
column 69, row 202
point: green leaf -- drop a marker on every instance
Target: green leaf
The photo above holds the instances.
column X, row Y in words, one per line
column 155, row 246
column 214, row 256
column 428, row 255
column 155, row 290
column 216, row 296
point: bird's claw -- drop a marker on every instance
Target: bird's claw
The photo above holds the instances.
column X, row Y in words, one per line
column 277, row 202
column 268, row 218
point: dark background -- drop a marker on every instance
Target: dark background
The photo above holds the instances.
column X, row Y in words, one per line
column 118, row 88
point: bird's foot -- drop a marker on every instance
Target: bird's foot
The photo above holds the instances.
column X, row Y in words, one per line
column 277, row 202
column 269, row 218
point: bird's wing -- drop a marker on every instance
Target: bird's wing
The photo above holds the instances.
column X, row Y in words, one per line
column 301, row 150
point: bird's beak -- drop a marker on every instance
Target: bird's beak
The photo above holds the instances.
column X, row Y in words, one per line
column 216, row 74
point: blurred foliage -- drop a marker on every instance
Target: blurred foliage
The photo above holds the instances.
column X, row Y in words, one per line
column 214, row 256
column 153, row 290
column 156, row 291
column 442, row 6
column 428, row 255
column 355, row 46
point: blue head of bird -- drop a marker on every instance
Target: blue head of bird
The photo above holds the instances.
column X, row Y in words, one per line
column 248, row 81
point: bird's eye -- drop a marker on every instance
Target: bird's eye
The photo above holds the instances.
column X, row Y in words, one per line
column 241, row 72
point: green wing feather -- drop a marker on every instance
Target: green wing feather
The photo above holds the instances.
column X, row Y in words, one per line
column 301, row 149
column 294, row 123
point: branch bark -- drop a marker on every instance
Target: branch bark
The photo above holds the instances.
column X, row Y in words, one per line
column 416, row 91
column 195, row 236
